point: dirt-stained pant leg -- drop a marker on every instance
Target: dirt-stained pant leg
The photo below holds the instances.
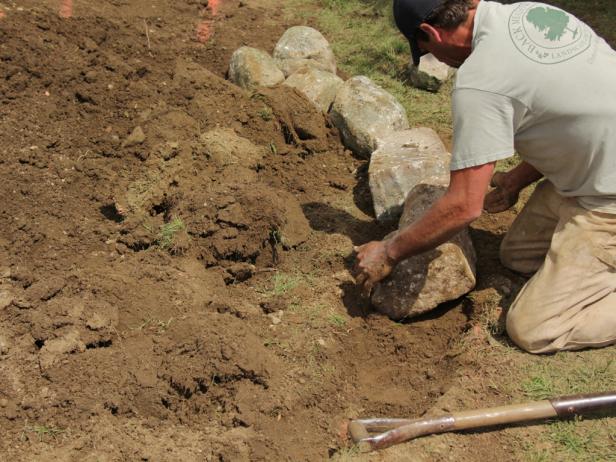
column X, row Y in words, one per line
column 570, row 302
column 526, row 244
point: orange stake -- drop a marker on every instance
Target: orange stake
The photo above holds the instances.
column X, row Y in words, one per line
column 205, row 29
column 213, row 6
column 66, row 9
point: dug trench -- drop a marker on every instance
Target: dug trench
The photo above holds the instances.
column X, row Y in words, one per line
column 176, row 253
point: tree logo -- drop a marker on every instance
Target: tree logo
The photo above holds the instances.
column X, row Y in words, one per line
column 546, row 34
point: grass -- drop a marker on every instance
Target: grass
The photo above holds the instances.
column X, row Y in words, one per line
column 41, row 431
column 283, row 283
column 365, row 42
column 545, row 378
column 168, row 232
column 265, row 113
column 157, row 325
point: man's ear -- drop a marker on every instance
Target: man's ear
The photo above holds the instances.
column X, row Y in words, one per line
column 433, row 33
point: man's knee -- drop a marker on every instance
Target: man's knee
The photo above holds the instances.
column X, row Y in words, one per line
column 510, row 258
column 519, row 259
column 530, row 338
column 506, row 255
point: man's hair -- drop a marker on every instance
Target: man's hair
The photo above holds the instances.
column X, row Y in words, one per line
column 449, row 15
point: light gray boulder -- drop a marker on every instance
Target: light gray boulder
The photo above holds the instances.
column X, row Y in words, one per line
column 364, row 112
column 318, row 86
column 422, row 282
column 403, row 160
column 251, row 68
column 302, row 46
column 430, row 74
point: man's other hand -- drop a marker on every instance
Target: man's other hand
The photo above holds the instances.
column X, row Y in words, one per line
column 372, row 265
column 502, row 197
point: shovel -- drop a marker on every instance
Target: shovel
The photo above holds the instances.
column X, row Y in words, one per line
column 373, row 434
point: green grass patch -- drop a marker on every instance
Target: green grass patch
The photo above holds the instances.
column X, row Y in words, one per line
column 546, row 378
column 168, row 231
column 588, row 439
column 41, row 432
column 265, row 113
column 283, row 283
column 366, row 42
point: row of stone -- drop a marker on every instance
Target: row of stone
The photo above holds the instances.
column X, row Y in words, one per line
column 408, row 167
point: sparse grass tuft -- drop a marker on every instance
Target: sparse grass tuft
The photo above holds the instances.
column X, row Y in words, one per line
column 168, row 232
column 337, row 320
column 157, row 325
column 283, row 283
column 538, row 388
column 265, row 113
column 41, row 431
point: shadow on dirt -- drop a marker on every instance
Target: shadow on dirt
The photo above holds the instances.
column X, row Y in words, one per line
column 324, row 217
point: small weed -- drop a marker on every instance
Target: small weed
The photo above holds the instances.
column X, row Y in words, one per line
column 41, row 431
column 265, row 113
column 566, row 435
column 168, row 231
column 257, row 96
column 337, row 320
column 154, row 324
column 275, row 236
column 283, row 283
column 346, row 454
column 538, row 387
column 273, row 148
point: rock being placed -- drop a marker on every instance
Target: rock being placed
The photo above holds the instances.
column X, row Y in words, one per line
column 251, row 68
column 364, row 112
column 430, row 74
column 402, row 161
column 422, row 282
column 302, row 46
column 318, row 86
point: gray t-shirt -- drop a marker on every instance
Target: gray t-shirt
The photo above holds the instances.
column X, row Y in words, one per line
column 542, row 83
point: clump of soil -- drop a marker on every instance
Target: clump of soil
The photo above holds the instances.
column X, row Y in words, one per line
column 164, row 298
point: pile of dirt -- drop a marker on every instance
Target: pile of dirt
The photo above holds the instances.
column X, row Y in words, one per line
column 167, row 247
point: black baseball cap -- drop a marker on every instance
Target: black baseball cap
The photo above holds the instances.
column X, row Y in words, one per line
column 409, row 14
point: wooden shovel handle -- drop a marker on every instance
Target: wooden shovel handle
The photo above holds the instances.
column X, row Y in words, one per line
column 401, row 430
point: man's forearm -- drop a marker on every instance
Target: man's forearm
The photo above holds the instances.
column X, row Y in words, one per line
column 461, row 204
column 521, row 176
column 440, row 223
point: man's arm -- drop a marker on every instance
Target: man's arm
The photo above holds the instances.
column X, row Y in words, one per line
column 507, row 187
column 461, row 204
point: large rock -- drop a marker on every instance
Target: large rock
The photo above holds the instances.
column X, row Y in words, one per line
column 251, row 68
column 301, row 47
column 422, row 282
column 430, row 74
column 364, row 112
column 318, row 86
column 402, row 161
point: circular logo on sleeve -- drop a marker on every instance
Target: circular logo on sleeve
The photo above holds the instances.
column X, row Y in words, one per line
column 546, row 34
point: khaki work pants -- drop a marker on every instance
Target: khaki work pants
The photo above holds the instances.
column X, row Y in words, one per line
column 570, row 302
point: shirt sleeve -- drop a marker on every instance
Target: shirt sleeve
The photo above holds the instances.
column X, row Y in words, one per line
column 483, row 128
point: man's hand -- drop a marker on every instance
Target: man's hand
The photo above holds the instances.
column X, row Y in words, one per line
column 373, row 264
column 502, row 197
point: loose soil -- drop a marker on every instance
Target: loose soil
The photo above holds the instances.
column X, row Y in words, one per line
column 160, row 301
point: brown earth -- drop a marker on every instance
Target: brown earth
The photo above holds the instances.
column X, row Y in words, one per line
column 243, row 336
